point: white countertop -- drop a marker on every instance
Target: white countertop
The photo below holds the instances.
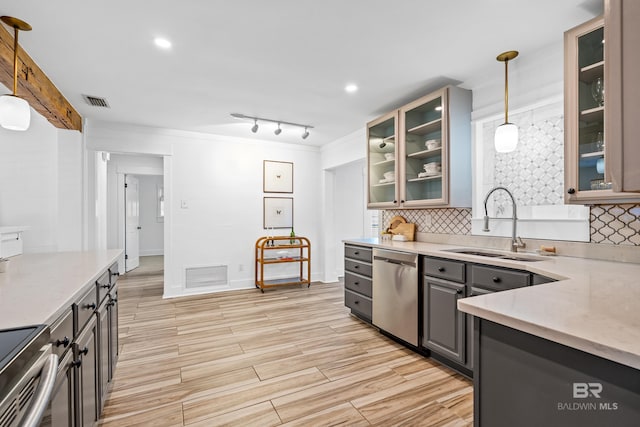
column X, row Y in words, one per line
column 594, row 306
column 38, row 287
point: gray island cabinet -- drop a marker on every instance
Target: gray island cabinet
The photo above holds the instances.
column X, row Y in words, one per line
column 524, row 380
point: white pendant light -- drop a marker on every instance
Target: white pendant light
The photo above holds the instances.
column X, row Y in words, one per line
column 15, row 113
column 506, row 137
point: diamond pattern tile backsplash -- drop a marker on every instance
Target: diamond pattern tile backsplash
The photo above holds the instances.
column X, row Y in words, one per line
column 610, row 224
column 439, row 221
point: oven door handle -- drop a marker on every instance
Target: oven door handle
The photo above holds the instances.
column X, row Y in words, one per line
column 43, row 393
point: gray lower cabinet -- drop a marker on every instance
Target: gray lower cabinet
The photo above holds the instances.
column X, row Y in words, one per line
column 103, row 334
column 444, row 326
column 358, row 295
column 87, row 362
column 445, row 329
column 85, row 337
column 113, row 331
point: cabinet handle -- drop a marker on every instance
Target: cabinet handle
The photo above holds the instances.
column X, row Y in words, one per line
column 395, row 201
column 459, row 291
column 356, row 283
column 76, row 363
column 571, row 190
column 84, row 351
column 401, row 201
column 441, row 269
column 115, row 274
column 107, row 286
column 64, row 342
column 356, row 253
column 356, row 266
column 496, row 280
column 356, row 302
column 91, row 306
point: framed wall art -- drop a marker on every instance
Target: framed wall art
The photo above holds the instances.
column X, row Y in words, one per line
column 278, row 177
column 278, row 212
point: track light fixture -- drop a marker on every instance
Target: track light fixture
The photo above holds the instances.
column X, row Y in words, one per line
column 278, row 131
column 15, row 113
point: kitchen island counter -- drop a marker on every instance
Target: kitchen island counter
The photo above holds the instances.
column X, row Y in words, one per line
column 37, row 288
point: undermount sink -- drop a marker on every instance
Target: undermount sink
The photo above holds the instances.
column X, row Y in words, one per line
column 479, row 252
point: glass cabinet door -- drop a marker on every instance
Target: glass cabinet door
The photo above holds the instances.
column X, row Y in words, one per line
column 424, row 151
column 591, row 105
column 382, row 156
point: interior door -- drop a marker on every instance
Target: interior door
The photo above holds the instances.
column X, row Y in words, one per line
column 132, row 223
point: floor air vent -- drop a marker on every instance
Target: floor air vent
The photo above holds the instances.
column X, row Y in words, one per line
column 212, row 277
column 96, row 101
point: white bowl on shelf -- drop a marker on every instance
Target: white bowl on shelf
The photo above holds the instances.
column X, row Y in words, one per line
column 432, row 144
column 389, row 175
column 389, row 156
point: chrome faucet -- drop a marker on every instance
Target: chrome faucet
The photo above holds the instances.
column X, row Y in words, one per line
column 516, row 242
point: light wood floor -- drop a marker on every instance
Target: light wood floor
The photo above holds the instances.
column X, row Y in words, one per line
column 291, row 356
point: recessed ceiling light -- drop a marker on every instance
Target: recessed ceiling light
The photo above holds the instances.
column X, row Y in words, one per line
column 351, row 88
column 162, row 43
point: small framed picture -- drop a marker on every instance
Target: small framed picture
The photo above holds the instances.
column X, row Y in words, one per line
column 278, row 177
column 278, row 212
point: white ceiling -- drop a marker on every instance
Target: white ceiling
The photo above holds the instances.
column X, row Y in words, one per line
column 280, row 59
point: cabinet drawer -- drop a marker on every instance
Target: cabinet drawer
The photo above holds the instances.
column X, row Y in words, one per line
column 357, row 267
column 358, row 303
column 445, row 269
column 358, row 252
column 358, row 284
column 62, row 333
column 83, row 309
column 498, row 279
column 103, row 284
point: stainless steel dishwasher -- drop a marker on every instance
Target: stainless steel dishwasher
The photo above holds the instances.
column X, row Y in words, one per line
column 395, row 294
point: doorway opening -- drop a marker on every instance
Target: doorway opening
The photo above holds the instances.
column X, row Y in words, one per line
column 143, row 221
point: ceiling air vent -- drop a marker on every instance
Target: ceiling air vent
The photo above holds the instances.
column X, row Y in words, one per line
column 96, row 101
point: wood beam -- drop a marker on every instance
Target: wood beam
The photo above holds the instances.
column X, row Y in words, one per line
column 35, row 87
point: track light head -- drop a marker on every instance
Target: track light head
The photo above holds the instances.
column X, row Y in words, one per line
column 278, row 131
column 254, row 128
column 305, row 135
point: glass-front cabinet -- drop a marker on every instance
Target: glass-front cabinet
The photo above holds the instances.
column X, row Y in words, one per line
column 382, row 162
column 423, row 153
column 420, row 155
column 586, row 145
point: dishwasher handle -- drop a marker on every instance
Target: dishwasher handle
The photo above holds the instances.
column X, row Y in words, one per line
column 43, row 393
column 394, row 261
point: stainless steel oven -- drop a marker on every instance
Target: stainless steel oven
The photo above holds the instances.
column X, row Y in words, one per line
column 28, row 371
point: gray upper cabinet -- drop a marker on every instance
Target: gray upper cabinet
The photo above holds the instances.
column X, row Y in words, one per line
column 420, row 155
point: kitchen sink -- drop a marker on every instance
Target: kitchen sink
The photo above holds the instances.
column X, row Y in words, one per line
column 479, row 252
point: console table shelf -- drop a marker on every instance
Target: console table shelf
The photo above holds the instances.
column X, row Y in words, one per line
column 269, row 250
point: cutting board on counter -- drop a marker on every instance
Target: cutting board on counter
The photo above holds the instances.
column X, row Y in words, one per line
column 398, row 225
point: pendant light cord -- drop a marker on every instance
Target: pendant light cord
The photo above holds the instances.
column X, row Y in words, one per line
column 506, row 91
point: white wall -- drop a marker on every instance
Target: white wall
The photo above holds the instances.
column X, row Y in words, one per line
column 220, row 180
column 349, row 207
column 152, row 228
column 40, row 185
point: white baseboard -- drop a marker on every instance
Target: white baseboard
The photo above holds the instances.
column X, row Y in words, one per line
column 152, row 252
